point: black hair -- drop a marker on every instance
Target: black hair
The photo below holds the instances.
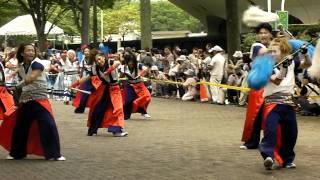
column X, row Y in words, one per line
column 266, row 26
column 131, row 57
column 20, row 51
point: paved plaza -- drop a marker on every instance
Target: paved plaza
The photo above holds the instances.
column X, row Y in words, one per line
column 183, row 140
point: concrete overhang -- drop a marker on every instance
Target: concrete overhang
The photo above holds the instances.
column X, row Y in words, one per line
column 305, row 10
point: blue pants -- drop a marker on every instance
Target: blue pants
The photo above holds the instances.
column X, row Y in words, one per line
column 286, row 117
column 84, row 97
column 49, row 136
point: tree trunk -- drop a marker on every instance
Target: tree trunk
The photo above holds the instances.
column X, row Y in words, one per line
column 40, row 28
column 95, row 23
column 42, row 38
column 145, row 20
column 85, row 22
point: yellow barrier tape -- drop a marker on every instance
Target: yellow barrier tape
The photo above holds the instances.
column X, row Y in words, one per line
column 210, row 84
column 314, row 97
column 201, row 82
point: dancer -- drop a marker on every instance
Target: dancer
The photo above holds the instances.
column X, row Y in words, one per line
column 106, row 107
column 137, row 97
column 252, row 126
column 80, row 102
column 7, row 106
column 279, row 106
column 33, row 131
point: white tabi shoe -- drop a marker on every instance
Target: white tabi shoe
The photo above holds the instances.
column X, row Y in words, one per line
column 147, row 116
column 9, row 157
column 120, row 134
column 61, row 158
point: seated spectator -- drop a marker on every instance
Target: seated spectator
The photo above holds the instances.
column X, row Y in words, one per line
column 159, row 88
column 190, row 85
column 234, row 79
column 309, row 105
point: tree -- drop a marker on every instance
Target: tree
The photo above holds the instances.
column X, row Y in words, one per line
column 81, row 8
column 123, row 18
column 41, row 11
column 164, row 17
column 167, row 17
column 8, row 11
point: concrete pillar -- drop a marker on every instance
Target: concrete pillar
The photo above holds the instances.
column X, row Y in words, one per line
column 233, row 26
column 145, row 16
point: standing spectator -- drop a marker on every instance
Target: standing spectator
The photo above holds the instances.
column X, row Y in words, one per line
column 216, row 74
column 167, row 60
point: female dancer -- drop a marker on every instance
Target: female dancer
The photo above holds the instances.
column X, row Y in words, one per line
column 106, row 107
column 137, row 97
column 80, row 102
column 34, row 115
column 279, row 107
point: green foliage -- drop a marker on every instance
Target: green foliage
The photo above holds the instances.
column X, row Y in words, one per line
column 105, row 4
column 167, row 17
column 9, row 10
column 123, row 18
column 247, row 40
column 300, row 28
column 164, row 17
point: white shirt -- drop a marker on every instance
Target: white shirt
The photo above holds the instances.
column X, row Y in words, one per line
column 286, row 85
column 217, row 62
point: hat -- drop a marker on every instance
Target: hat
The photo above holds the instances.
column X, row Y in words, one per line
column 189, row 72
column 237, row 54
column 121, row 49
column 182, row 58
column 154, row 68
column 216, row 48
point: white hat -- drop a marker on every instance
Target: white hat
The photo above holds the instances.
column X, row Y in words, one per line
column 189, row 72
column 121, row 49
column 237, row 54
column 210, row 50
column 154, row 68
column 217, row 48
column 182, row 58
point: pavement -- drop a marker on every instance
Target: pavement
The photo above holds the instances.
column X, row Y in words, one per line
column 182, row 140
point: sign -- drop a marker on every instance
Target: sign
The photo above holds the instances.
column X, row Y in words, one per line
column 283, row 20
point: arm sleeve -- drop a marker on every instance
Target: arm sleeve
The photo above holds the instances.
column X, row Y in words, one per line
column 37, row 66
column 255, row 51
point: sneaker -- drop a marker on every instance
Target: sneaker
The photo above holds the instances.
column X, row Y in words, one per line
column 61, row 158
column 146, row 116
column 92, row 134
column 243, row 147
column 9, row 157
column 268, row 163
column 290, row 166
column 120, row 134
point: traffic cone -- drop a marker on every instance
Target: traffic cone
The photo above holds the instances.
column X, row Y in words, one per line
column 203, row 92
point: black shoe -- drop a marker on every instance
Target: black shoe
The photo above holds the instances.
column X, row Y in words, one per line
column 79, row 110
